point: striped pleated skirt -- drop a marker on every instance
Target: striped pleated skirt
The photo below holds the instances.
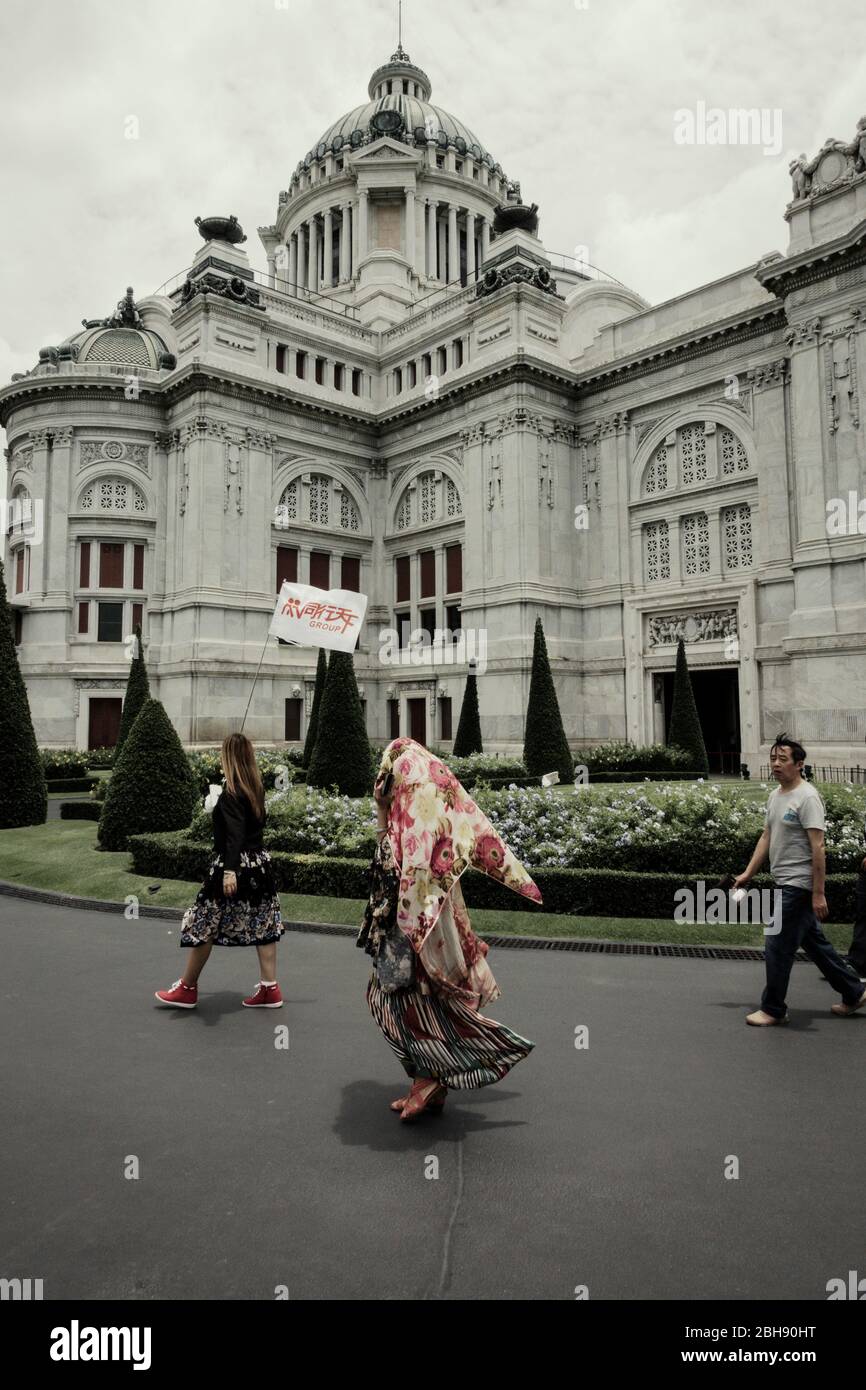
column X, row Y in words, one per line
column 432, row 1037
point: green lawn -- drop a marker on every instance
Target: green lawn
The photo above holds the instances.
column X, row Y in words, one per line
column 61, row 856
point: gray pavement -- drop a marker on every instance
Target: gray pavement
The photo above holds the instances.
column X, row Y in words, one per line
column 262, row 1167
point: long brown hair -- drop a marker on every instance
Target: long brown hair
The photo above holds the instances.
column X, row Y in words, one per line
column 242, row 772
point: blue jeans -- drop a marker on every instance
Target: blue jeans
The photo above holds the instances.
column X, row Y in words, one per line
column 857, row 953
column 801, row 928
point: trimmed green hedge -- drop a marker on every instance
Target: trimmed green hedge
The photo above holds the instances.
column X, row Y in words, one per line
column 71, row 784
column 578, row 892
column 63, row 763
column 100, row 759
column 80, row 810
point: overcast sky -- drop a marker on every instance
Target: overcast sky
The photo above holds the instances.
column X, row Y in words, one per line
column 575, row 98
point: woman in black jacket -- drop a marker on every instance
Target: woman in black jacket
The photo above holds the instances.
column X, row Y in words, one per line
column 237, row 904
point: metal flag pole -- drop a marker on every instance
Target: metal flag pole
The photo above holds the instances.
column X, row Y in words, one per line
column 256, row 676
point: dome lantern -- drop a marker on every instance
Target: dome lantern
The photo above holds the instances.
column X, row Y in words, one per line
column 399, row 77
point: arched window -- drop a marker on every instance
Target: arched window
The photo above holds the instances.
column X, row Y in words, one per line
column 404, row 512
column 289, row 501
column 113, row 495
column 733, row 455
column 349, row 520
column 454, row 506
column 693, row 453
column 319, row 499
column 427, row 498
column 656, row 477
column 21, row 519
column 436, row 499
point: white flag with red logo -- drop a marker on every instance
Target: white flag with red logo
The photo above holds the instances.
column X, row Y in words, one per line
column 329, row 618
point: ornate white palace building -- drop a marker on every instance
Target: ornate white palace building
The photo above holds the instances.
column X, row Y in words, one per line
column 419, row 402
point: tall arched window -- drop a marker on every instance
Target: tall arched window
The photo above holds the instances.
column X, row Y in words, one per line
column 656, row 477
column 732, row 454
column 657, row 552
column 319, row 499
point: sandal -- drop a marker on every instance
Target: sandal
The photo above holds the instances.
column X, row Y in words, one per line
column 420, row 1097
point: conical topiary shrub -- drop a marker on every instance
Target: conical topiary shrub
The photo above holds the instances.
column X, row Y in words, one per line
column 23, row 797
column 341, row 757
column 137, row 691
column 152, row 786
column 468, row 738
column 545, row 747
column 685, row 726
column 313, row 727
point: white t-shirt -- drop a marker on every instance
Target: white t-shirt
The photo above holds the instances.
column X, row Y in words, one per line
column 790, row 815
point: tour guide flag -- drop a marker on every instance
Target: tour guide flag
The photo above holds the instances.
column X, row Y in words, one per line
column 329, row 618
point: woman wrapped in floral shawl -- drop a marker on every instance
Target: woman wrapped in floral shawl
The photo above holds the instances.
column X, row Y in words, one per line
column 431, row 831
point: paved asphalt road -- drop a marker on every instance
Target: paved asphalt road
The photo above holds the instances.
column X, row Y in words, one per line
column 262, row 1167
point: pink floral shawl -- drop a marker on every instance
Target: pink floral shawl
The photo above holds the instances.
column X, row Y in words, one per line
column 436, row 832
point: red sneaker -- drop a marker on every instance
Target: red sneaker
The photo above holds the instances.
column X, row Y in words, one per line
column 265, row 997
column 181, row 995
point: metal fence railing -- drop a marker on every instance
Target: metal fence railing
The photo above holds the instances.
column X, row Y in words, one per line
column 817, row 772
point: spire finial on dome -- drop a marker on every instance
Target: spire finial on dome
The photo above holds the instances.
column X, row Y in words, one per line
column 400, row 55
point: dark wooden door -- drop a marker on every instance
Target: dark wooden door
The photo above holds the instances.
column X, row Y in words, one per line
column 418, row 720
column 104, row 723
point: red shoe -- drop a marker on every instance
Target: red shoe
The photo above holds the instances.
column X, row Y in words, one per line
column 181, row 995
column 420, row 1096
column 265, row 997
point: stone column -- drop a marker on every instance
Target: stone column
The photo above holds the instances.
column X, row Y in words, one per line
column 431, row 237
column 328, row 267
column 485, row 239
column 453, row 271
column 442, row 246
column 272, row 269
column 312, row 255
column 470, row 247
column 363, row 227
column 345, row 244
column 431, row 154
column 771, row 529
column 48, row 559
column 409, row 220
column 301, row 235
column 293, row 264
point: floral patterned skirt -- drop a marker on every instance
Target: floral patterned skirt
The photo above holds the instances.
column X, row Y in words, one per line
column 250, row 918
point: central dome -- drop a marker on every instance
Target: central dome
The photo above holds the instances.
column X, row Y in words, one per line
column 402, row 90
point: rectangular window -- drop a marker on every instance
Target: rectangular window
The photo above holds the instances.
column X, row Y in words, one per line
column 138, row 567
column 19, row 571
column 110, row 627
column 320, row 569
column 17, row 626
column 412, row 371
column 137, row 615
column 320, row 371
column 428, row 573
column 339, row 377
column 350, row 573
column 403, row 624
column 398, row 381
column 442, row 359
column 281, row 357
column 453, row 620
column 287, row 566
column 84, row 617
column 356, row 381
column 458, row 352
column 445, row 718
column 293, row 721
column 84, row 566
column 110, row 566
column 454, row 569
column 394, row 718
column 427, row 619
column 427, row 364
column 301, row 364
column 401, row 566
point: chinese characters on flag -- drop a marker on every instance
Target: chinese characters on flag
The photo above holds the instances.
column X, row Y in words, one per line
column 329, row 618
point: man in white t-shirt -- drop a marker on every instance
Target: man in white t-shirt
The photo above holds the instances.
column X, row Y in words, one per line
column 793, row 836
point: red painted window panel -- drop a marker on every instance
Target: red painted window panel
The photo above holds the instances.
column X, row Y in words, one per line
column 84, row 566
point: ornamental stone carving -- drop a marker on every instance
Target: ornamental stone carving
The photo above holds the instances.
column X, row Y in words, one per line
column 837, row 162
column 768, row 374
column 666, row 629
column 612, row 424
column 112, row 451
column 234, row 289
column 802, row 334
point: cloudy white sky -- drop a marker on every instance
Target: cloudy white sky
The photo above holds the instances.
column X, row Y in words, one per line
column 575, row 98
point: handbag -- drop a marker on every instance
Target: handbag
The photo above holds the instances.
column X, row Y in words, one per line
column 392, row 951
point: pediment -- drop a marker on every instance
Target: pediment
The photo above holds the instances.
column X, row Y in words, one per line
column 386, row 149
